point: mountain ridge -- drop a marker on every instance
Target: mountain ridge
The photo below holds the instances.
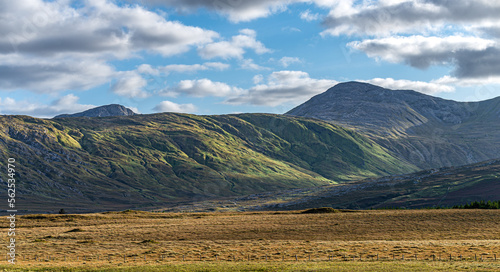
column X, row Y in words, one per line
column 89, row 164
column 427, row 131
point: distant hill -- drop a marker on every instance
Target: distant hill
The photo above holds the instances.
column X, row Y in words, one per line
column 102, row 111
column 83, row 164
column 426, row 131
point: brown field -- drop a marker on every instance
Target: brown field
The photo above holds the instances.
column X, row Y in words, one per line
column 170, row 237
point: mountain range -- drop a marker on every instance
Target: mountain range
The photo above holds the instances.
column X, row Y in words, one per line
column 344, row 138
column 426, row 131
column 88, row 164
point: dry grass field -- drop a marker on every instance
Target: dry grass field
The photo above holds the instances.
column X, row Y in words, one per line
column 292, row 241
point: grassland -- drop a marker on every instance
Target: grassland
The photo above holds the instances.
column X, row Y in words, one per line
column 241, row 241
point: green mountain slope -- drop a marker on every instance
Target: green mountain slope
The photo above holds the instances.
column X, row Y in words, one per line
column 149, row 160
column 443, row 187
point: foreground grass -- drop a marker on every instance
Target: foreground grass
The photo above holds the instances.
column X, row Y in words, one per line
column 178, row 241
column 271, row 266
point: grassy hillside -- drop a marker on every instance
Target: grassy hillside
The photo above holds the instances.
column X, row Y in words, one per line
column 149, row 160
column 443, row 187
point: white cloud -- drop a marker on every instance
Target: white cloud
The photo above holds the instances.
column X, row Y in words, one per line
column 308, row 16
column 250, row 65
column 45, row 76
column 168, row 106
column 472, row 57
column 183, row 68
column 409, row 16
column 283, row 87
column 65, row 104
column 419, row 86
column 287, row 61
column 468, row 82
column 147, row 69
column 235, row 48
column 54, row 46
column 200, row 88
column 235, row 10
column 130, row 84
column 99, row 27
column 420, row 51
column 257, row 79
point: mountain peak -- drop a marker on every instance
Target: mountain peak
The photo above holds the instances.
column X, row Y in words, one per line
column 102, row 111
column 427, row 131
column 368, row 106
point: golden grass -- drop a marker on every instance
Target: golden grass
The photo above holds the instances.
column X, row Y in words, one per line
column 170, row 237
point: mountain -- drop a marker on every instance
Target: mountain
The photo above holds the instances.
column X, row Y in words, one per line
column 426, row 131
column 444, row 187
column 92, row 164
column 102, row 111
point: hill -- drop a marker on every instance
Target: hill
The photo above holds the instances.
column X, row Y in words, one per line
column 102, row 111
column 93, row 164
column 443, row 187
column 426, row 131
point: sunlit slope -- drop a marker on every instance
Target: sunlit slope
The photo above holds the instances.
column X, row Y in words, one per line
column 141, row 160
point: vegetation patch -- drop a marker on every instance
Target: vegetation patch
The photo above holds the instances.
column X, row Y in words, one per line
column 321, row 210
column 480, row 205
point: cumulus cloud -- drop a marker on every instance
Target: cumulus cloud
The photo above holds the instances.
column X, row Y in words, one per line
column 168, row 106
column 131, row 85
column 419, row 51
column 250, row 65
column 235, row 48
column 184, row 68
column 406, row 16
column 419, row 86
column 147, row 69
column 467, row 82
column 283, row 87
column 308, row 16
column 235, row 10
column 200, row 88
column 65, row 104
column 53, row 46
column 287, row 61
column 257, row 79
column 471, row 56
column 100, row 27
column 44, row 76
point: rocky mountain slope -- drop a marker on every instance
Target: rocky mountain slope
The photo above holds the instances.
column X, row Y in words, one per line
column 102, row 111
column 89, row 164
column 426, row 131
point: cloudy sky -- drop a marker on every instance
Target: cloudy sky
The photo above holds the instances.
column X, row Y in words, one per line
column 227, row 56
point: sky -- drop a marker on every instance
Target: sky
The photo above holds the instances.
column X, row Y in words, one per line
column 232, row 56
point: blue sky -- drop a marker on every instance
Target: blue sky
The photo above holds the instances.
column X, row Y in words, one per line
column 228, row 56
